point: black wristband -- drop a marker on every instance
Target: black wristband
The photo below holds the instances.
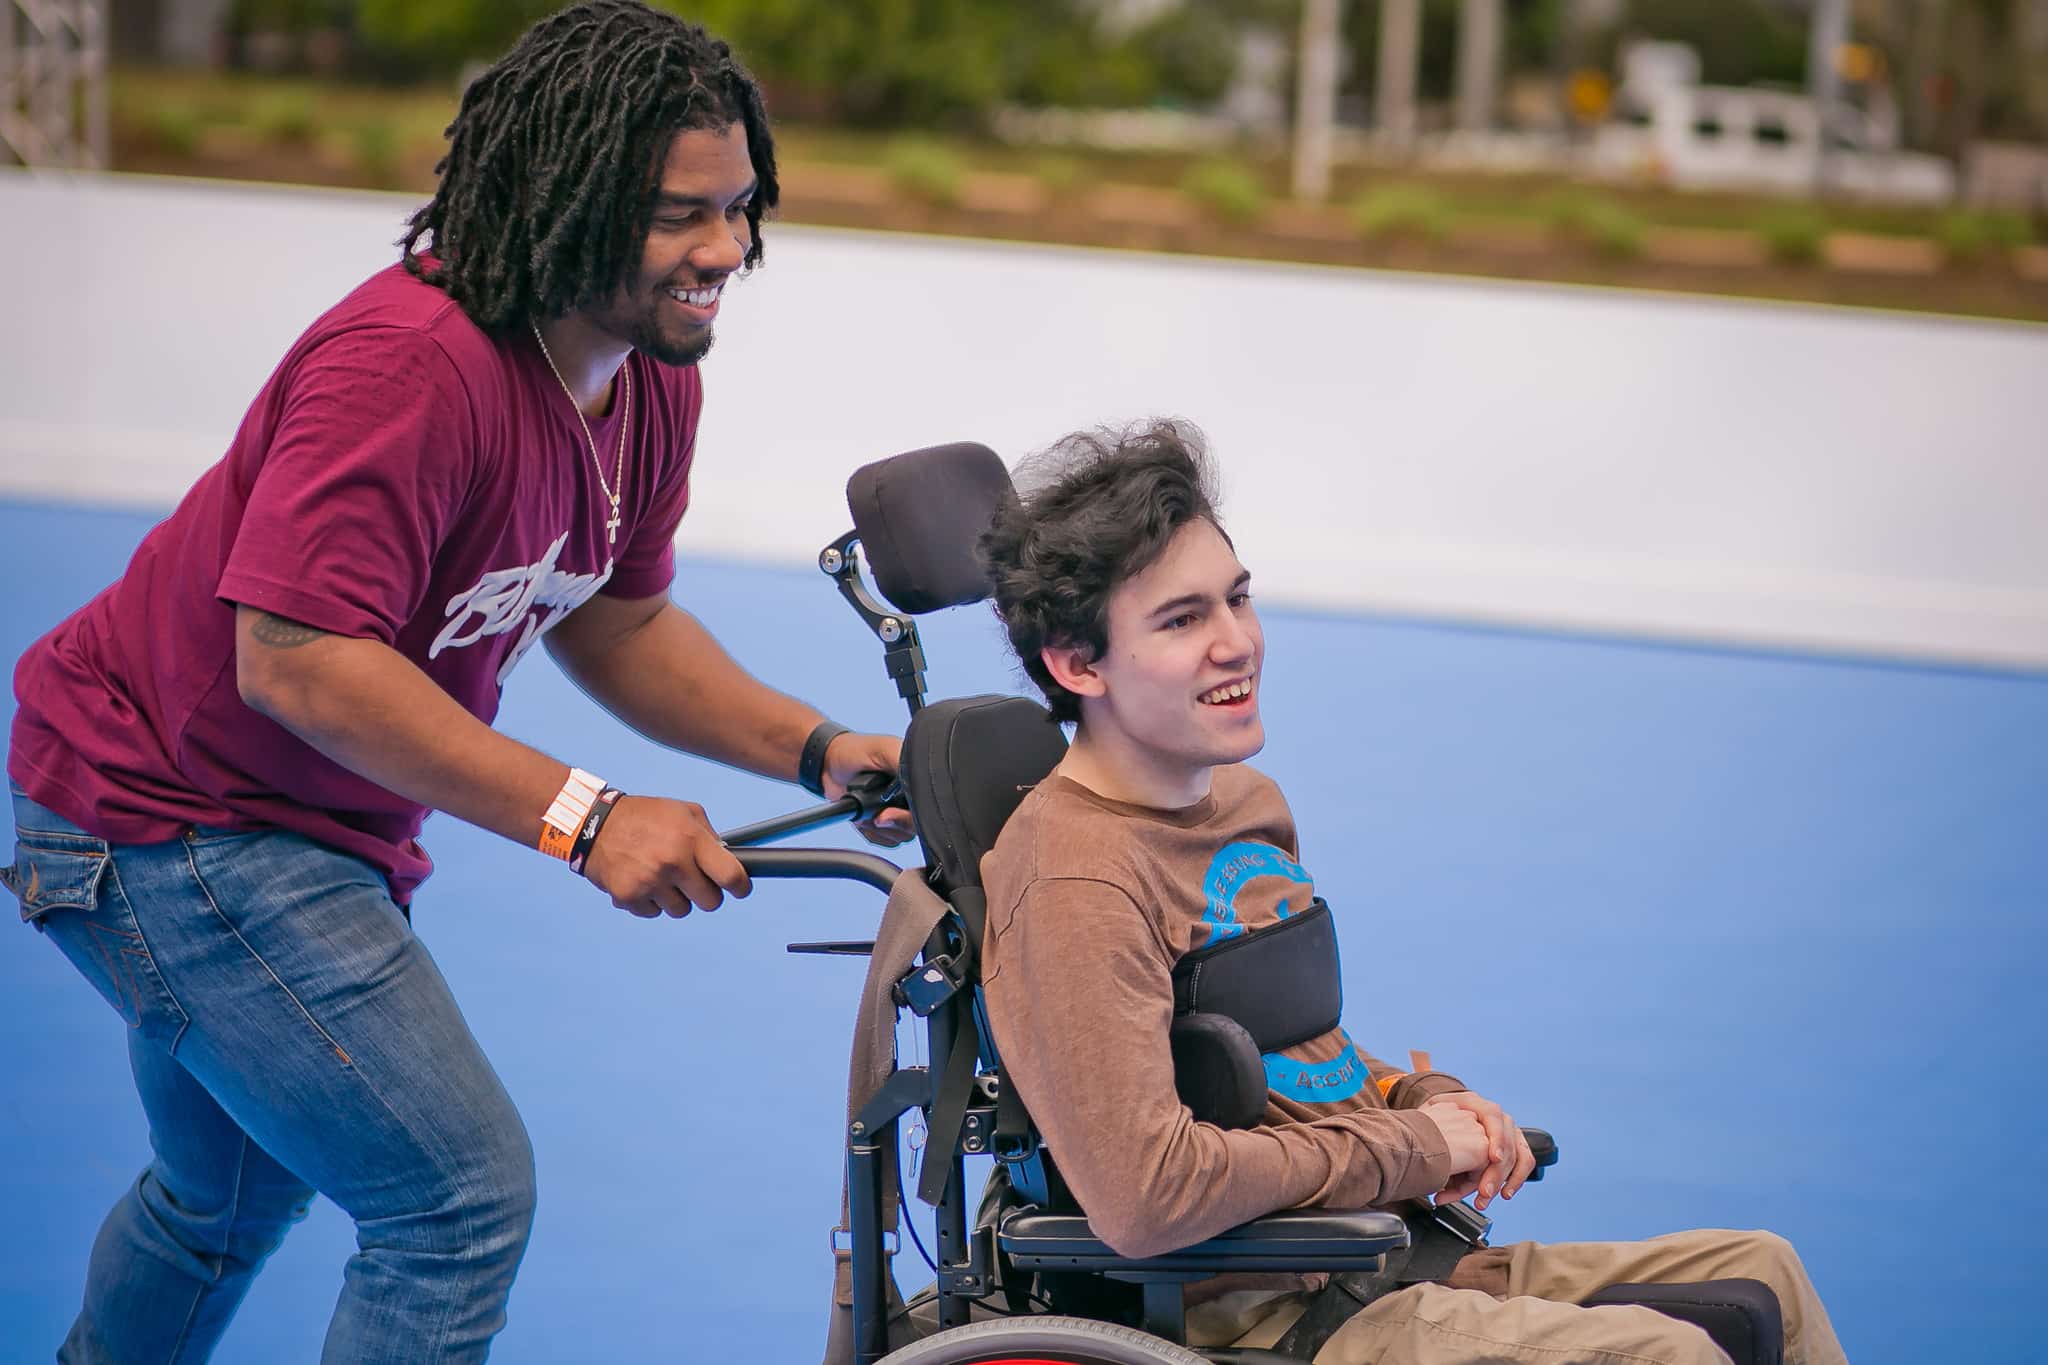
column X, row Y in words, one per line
column 579, row 852
column 810, row 765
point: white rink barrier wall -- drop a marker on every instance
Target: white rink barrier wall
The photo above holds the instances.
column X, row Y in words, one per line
column 1552, row 457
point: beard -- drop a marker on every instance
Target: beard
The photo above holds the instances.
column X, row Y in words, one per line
column 649, row 339
column 640, row 327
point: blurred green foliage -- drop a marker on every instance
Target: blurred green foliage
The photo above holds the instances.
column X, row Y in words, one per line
column 1794, row 233
column 1739, row 41
column 925, row 169
column 1227, row 189
column 1966, row 234
column 289, row 16
column 927, row 61
column 1394, row 211
column 176, row 128
column 287, row 117
column 1612, row 229
column 864, row 62
column 376, row 149
column 1058, row 173
column 402, row 37
column 1601, row 221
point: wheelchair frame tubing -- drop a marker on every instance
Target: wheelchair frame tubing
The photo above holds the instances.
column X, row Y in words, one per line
column 871, row 1160
column 864, row 1176
column 950, row 1217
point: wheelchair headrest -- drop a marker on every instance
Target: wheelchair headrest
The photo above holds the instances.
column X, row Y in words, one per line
column 919, row 515
column 967, row 763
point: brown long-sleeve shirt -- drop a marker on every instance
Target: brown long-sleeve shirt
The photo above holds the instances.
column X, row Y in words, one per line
column 1091, row 903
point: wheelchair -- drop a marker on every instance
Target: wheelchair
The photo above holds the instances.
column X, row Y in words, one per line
column 1050, row 1291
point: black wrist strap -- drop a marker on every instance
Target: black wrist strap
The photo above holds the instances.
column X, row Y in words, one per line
column 810, row 766
column 586, row 833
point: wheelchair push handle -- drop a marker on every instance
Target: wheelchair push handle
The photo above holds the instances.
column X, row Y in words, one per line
column 827, row 864
column 870, row 794
column 873, row 793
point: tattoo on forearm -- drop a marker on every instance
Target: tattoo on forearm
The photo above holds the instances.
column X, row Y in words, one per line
column 282, row 632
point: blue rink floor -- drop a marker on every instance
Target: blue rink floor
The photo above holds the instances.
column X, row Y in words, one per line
column 1758, row 936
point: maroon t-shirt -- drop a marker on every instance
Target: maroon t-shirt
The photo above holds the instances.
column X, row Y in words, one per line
column 403, row 477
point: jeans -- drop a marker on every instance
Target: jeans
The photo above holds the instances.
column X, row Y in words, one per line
column 288, row 1034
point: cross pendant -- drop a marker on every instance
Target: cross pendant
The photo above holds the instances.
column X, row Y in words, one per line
column 611, row 528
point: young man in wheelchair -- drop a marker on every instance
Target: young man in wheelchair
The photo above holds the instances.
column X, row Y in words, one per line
column 1152, row 841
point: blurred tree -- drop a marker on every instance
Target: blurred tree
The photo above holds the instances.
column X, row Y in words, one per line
column 1963, row 69
column 876, row 62
column 1533, row 31
column 1192, row 51
column 1740, row 42
column 953, row 61
column 274, row 33
column 405, row 36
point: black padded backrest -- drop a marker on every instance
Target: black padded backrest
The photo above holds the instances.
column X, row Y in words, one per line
column 918, row 517
column 967, row 762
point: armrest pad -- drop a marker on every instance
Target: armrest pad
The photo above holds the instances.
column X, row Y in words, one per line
column 1291, row 1239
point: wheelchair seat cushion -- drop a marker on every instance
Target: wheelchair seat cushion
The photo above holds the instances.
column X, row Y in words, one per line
column 967, row 763
column 919, row 516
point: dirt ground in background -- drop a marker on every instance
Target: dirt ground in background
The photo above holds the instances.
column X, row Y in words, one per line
column 1984, row 291
column 1152, row 219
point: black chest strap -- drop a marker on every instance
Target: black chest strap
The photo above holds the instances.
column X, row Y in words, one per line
column 1280, row 983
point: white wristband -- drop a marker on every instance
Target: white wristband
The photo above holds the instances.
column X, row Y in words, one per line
column 566, row 815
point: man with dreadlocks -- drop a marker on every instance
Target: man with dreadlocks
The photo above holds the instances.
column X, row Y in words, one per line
column 221, row 763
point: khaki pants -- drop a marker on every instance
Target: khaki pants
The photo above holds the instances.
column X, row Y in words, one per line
column 1539, row 1322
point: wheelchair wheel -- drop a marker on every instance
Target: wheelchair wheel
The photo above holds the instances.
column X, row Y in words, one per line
column 1043, row 1341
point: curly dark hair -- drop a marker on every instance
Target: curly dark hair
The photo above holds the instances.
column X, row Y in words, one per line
column 553, row 159
column 1094, row 510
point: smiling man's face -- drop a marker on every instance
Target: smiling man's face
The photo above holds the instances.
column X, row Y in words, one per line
column 1179, row 682
column 696, row 242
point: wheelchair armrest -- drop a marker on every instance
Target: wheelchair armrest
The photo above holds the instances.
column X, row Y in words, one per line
column 1291, row 1239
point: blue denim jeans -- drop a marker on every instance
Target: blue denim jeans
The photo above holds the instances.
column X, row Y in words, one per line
column 288, row 1034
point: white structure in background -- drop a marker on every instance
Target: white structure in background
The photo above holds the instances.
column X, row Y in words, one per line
column 1668, row 127
column 2007, row 175
column 53, row 83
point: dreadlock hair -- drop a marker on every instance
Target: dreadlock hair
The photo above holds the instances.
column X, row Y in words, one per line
column 1096, row 509
column 546, row 193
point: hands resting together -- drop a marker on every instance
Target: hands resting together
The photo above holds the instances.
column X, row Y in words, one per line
column 1488, row 1152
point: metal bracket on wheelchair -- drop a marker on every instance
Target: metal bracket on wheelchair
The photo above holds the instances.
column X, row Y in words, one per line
column 932, row 984
column 970, row 1278
column 907, row 1088
column 902, row 655
column 1462, row 1221
column 842, row 1242
column 978, row 1130
column 1006, row 1147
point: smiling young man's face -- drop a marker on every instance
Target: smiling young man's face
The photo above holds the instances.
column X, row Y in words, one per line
column 1176, row 692
column 696, row 242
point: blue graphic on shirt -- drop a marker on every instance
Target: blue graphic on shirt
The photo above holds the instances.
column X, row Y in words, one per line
column 1233, row 866
column 1343, row 1076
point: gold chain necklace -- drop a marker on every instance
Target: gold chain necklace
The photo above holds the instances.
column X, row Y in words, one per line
column 617, row 486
